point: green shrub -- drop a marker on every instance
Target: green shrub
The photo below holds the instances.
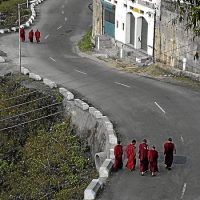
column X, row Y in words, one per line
column 85, row 44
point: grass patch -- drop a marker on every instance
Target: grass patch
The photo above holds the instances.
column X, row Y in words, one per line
column 188, row 82
column 152, row 70
column 85, row 43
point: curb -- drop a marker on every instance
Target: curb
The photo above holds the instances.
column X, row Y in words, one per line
column 26, row 24
column 107, row 157
column 191, row 75
column 92, row 189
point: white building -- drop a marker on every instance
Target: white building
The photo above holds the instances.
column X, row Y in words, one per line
column 131, row 22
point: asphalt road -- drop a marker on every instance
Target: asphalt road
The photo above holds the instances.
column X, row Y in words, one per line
column 139, row 107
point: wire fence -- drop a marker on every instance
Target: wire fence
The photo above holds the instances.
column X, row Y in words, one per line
column 15, row 97
column 25, row 113
column 33, row 120
column 22, row 104
column 30, row 106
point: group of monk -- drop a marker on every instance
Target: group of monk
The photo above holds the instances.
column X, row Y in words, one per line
column 148, row 156
column 30, row 35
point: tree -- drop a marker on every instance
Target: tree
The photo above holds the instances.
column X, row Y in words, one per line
column 190, row 11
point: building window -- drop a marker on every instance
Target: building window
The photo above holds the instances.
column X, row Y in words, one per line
column 109, row 16
column 123, row 26
column 125, row 5
column 117, row 24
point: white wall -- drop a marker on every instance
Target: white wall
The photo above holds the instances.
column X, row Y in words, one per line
column 121, row 17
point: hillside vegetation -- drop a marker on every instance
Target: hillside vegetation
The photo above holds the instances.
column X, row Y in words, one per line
column 9, row 13
column 41, row 157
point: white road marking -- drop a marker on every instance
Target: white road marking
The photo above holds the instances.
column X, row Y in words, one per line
column 183, row 190
column 159, row 107
column 52, row 59
column 80, row 72
column 182, row 140
column 65, row 19
column 122, row 84
column 46, row 36
column 59, row 27
column 63, row 12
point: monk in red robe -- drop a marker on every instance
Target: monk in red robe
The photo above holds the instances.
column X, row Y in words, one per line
column 30, row 35
column 37, row 36
column 143, row 156
column 169, row 150
column 131, row 155
column 22, row 34
column 153, row 160
column 118, row 152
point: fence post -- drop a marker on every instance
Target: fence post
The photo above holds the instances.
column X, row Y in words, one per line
column 98, row 43
column 172, row 64
column 121, row 52
column 184, row 63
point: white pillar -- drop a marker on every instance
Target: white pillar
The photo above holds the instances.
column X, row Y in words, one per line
column 121, row 52
column 138, row 31
column 184, row 63
column 98, row 43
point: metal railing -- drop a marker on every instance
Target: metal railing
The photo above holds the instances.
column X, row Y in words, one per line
column 146, row 3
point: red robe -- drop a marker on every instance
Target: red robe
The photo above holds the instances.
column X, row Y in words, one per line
column 153, row 160
column 22, row 34
column 169, row 149
column 37, row 36
column 118, row 151
column 143, row 156
column 131, row 156
column 30, row 35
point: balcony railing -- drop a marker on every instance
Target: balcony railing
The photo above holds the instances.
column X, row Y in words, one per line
column 146, row 3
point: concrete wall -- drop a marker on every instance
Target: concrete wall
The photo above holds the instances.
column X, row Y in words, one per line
column 172, row 41
column 88, row 127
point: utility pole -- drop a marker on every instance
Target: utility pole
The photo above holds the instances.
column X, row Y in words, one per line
column 19, row 24
column 19, row 38
column 154, row 35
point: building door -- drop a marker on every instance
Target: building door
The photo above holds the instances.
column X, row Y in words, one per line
column 144, row 34
column 132, row 29
column 109, row 23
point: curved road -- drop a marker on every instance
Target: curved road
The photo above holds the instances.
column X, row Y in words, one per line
column 139, row 107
